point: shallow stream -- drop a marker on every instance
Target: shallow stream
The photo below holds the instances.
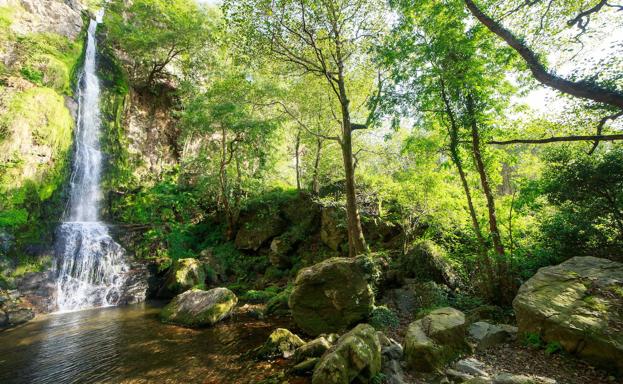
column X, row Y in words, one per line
column 129, row 345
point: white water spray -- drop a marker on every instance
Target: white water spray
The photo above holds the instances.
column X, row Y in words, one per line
column 91, row 267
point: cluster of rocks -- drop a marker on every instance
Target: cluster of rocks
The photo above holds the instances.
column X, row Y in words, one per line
column 472, row 371
column 13, row 309
column 577, row 304
column 357, row 356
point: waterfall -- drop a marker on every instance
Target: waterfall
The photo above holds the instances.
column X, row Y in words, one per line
column 90, row 264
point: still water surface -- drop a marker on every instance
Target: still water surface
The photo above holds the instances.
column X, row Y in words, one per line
column 129, row 345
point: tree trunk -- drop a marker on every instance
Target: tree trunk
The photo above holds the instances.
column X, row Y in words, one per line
column 223, row 186
column 356, row 240
column 456, row 159
column 297, row 155
column 484, row 180
column 315, row 183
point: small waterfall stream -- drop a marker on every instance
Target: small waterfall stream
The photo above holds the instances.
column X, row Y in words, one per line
column 91, row 268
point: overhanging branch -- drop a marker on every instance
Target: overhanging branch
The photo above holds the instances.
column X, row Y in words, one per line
column 581, row 89
column 559, row 139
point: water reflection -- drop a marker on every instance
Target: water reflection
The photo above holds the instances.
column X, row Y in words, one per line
column 130, row 345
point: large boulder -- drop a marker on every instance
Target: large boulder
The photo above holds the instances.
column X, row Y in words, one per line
column 183, row 275
column 578, row 304
column 13, row 311
column 355, row 358
column 426, row 260
column 435, row 340
column 331, row 295
column 197, row 308
column 258, row 228
column 487, row 335
column 40, row 289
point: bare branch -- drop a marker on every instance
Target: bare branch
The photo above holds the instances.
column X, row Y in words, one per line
column 559, row 139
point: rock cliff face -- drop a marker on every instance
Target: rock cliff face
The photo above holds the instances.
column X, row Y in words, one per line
column 151, row 133
column 40, row 55
column 61, row 17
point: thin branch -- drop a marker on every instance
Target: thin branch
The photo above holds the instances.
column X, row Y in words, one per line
column 600, row 128
column 559, row 139
column 303, row 125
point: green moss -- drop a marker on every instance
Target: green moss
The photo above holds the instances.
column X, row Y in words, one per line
column 31, row 191
column 50, row 60
column 553, row 347
column 596, row 303
column 617, row 289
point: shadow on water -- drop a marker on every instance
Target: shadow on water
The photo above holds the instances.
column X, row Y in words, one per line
column 129, row 345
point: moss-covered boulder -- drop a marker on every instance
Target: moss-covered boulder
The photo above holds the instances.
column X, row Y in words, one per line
column 425, row 261
column 333, row 231
column 197, row 308
column 578, row 304
column 258, row 228
column 331, row 295
column 183, row 275
column 355, row 358
column 435, row 340
column 280, row 343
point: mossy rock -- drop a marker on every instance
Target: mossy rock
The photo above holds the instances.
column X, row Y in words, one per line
column 576, row 305
column 333, row 230
column 183, row 275
column 331, row 296
column 355, row 358
column 426, row 261
column 435, row 340
column 314, row 348
column 280, row 343
column 197, row 308
column 258, row 228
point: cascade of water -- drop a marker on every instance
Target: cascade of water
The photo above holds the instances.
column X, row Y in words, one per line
column 91, row 268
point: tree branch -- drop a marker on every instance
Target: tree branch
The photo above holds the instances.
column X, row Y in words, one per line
column 600, row 128
column 581, row 89
column 559, row 139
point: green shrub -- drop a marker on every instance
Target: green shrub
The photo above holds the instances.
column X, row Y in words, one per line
column 279, row 301
column 33, row 75
column 254, row 296
column 383, row 318
column 533, row 340
column 553, row 347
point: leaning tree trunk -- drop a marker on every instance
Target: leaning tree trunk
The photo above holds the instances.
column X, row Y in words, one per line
column 456, row 159
column 484, row 180
column 224, row 187
column 315, row 183
column 356, row 240
column 504, row 286
column 297, row 156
